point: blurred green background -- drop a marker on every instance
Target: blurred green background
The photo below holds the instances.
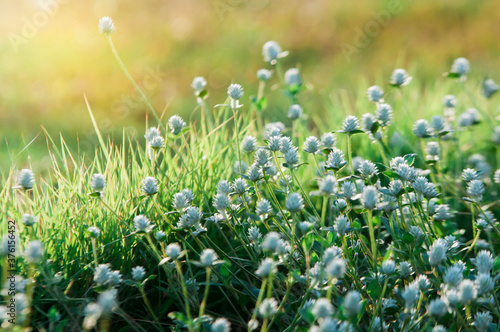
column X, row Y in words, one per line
column 52, row 54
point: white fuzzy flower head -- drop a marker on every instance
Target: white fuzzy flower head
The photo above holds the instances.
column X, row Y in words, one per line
column 369, row 197
column 437, row 252
column 102, row 274
column 292, row 77
column 149, row 185
column 34, row 252
column 483, row 261
column 482, row 321
column 367, row 121
column 405, row 269
column 384, row 114
column 157, row 142
column 160, row 236
column 328, row 184
column 199, row 83
column 410, row 295
column 449, row 101
column 266, row 268
column 107, row 301
column 489, row 87
column 294, row 202
column 467, row 291
column 106, row 25
column 388, row 267
column 176, row 124
column 142, row 224
column 336, row 159
column 350, row 124
column 367, row 169
column 400, row 78
column 263, row 207
column 29, row 220
column 208, row 257
column 92, row 314
column 421, row 128
column 312, row 144
column 341, row 225
column 437, row 307
column 235, row 91
column 271, row 51
column 254, row 173
column 461, row 66
column 115, row 278
column 295, row 112
column 173, row 251
column 94, row 232
column 268, row 308
column 138, row 273
column 375, row 93
column 221, row 202
column 484, row 283
column 336, row 268
column 25, row 178
column 220, row 325
column 469, row 174
column 432, row 149
column 236, row 167
column 352, row 303
column 322, row 308
column 496, row 177
column 97, row 182
column 264, row 74
column 475, row 190
column 328, row 140
column 152, row 133
column 271, row 242
column 262, row 157
column 249, row 144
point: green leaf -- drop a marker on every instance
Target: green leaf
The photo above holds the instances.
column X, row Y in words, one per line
column 410, row 158
column 224, row 271
column 307, row 242
column 374, row 289
column 95, row 194
column 408, row 238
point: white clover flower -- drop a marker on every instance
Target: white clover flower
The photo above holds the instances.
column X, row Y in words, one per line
column 115, row 278
column 271, row 51
column 25, row 178
column 467, row 291
column 220, row 325
column 221, row 202
column 152, row 133
column 489, row 87
column 322, row 308
column 423, row 282
column 94, row 232
column 352, row 303
column 369, row 197
column 367, row 121
column 254, row 234
column 350, row 124
column 263, row 207
column 328, row 140
column 255, row 173
column 273, row 129
column 106, row 25
column 97, row 182
column 421, row 128
column 367, row 169
column 92, row 314
column 437, row 252
column 285, row 144
column 406, row 172
column 149, row 185
column 328, row 184
column 449, row 101
column 249, row 144
column 29, row 220
column 341, row 225
column 375, row 93
column 410, row 295
column 336, row 159
column 180, row 201
column 235, row 92
column 264, row 74
column 239, row 186
column 330, row 254
column 437, row 307
column 208, row 257
column 274, row 143
column 484, row 261
column 138, row 273
column 102, row 274
column 400, row 78
column 199, row 83
column 266, row 268
column 271, row 242
column 157, row 142
column 484, row 283
column 295, row 112
column 292, row 77
column 405, row 269
column 442, row 212
column 482, row 321
column 437, row 123
column 432, row 149
column 176, row 124
column 311, row 144
column 475, row 190
column 107, row 301
column 420, row 185
column 34, row 252
column 268, row 308
column 224, row 187
column 496, row 177
column 142, row 224
column 469, row 174
column 262, row 157
column 294, row 202
column 388, row 267
column 384, row 114
column 336, row 268
column 348, row 190
column 191, row 217
column 236, row 167
column 173, row 251
column 454, row 275
column 461, row 66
